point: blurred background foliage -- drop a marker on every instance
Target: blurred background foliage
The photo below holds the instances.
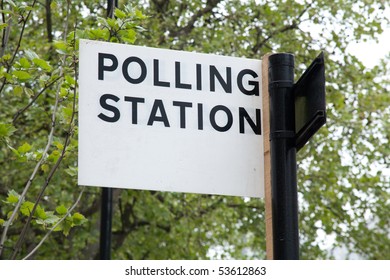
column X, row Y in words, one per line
column 343, row 174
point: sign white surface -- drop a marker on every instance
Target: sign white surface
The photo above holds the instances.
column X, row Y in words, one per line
column 169, row 120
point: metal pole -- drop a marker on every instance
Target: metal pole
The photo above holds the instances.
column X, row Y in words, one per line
column 106, row 199
column 111, row 5
column 283, row 157
column 105, row 224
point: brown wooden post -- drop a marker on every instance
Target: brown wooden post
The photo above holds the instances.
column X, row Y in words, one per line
column 267, row 160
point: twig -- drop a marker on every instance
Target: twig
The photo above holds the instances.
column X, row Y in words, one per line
column 21, row 111
column 29, row 182
column 211, row 4
column 283, row 29
column 16, row 51
column 55, row 226
column 6, row 31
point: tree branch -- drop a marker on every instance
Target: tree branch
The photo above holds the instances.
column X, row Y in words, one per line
column 16, row 52
column 161, row 5
column 211, row 4
column 57, row 164
column 6, row 31
column 295, row 23
column 55, row 226
column 49, row 21
column 21, row 111
column 30, row 180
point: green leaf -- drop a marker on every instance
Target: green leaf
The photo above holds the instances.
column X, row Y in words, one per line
column 26, row 208
column 27, row 8
column 29, row 92
column 72, row 171
column 63, row 92
column 40, row 213
column 42, row 64
column 5, row 12
column 25, row 63
column 9, row 214
column 67, row 113
column 51, row 218
column 59, row 145
column 120, row 14
column 3, row 25
column 6, row 130
column 45, row 168
column 13, row 197
column 40, row 222
column 14, row 151
column 58, row 227
column 98, row 34
column 54, row 156
column 6, row 57
column 112, row 23
column 140, row 15
column 78, row 218
column 61, row 210
column 61, row 47
column 66, row 226
column 130, row 36
column 10, row 2
column 53, row 5
column 2, row 222
column 70, row 80
column 31, row 54
column 24, row 148
column 22, row 75
column 18, row 90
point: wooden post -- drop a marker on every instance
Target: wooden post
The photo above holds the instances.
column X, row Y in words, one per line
column 267, row 160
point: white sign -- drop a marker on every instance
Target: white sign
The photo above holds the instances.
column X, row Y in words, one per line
column 169, row 120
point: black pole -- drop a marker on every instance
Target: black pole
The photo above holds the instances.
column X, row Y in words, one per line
column 106, row 200
column 105, row 224
column 283, row 157
column 111, row 5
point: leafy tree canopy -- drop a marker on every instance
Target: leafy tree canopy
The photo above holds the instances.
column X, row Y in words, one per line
column 343, row 176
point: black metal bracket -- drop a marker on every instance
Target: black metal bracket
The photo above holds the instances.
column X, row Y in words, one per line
column 310, row 107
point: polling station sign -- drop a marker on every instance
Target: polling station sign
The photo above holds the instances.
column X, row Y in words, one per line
column 166, row 120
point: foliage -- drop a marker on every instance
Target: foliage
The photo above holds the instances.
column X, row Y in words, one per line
column 344, row 185
column 45, row 219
